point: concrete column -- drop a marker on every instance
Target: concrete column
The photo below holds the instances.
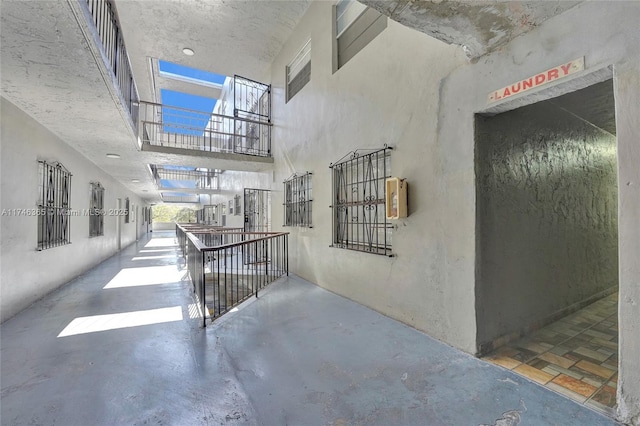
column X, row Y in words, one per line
column 627, row 87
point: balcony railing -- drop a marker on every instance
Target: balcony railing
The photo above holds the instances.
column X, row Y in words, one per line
column 226, row 274
column 169, row 197
column 105, row 21
column 201, row 178
column 169, row 126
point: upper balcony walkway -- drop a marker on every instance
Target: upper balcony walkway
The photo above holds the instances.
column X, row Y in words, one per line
column 122, row 344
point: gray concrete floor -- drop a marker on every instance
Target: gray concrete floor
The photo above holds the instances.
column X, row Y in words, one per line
column 298, row 355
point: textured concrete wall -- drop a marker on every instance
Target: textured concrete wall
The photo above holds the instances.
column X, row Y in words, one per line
column 605, row 34
column 547, row 209
column 27, row 274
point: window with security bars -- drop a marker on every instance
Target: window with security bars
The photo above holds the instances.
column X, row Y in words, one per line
column 126, row 210
column 53, row 205
column 297, row 201
column 299, row 71
column 96, row 210
column 359, row 220
column 237, row 208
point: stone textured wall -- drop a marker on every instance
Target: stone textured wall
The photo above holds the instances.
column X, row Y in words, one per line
column 547, row 216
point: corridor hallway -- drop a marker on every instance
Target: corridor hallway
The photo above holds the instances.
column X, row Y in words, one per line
column 119, row 346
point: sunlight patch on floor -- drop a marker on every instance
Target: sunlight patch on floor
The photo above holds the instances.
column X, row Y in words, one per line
column 95, row 323
column 148, row 275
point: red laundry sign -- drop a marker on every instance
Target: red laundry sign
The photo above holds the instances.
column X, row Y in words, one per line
column 537, row 80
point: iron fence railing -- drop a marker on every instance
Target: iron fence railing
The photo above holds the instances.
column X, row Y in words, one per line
column 105, row 21
column 201, row 178
column 241, row 264
column 169, row 197
column 169, row 126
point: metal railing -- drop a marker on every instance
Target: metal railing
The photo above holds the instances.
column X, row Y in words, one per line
column 225, row 275
column 203, row 179
column 200, row 229
column 169, row 197
column 169, row 126
column 105, row 21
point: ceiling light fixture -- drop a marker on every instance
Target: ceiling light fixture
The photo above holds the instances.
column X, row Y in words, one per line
column 135, row 180
column 113, row 155
column 188, row 52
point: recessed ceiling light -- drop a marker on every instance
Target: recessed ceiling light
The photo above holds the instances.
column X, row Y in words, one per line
column 135, row 180
column 113, row 155
column 188, row 52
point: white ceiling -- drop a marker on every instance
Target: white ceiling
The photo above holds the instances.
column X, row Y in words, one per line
column 228, row 36
column 51, row 71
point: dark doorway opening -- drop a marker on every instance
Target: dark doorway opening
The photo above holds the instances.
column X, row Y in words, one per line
column 547, row 246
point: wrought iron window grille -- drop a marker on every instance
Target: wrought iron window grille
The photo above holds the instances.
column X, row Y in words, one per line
column 358, row 201
column 298, row 200
column 96, row 210
column 53, row 205
column 251, row 99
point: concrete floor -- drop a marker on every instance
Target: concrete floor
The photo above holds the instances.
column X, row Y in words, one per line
column 298, row 355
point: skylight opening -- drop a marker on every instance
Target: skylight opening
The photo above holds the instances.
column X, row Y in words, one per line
column 191, row 120
column 190, row 75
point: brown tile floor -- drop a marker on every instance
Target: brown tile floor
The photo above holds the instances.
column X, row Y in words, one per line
column 576, row 356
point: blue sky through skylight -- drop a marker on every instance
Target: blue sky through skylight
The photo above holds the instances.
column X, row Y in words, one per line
column 194, row 75
column 185, row 122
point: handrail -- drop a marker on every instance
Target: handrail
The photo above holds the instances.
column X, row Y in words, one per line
column 212, row 114
column 225, row 275
column 183, row 128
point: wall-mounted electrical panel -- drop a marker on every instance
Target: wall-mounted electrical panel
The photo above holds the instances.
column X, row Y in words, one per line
column 396, row 202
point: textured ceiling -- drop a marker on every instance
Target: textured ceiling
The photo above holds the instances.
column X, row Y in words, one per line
column 51, row 70
column 228, row 36
column 479, row 26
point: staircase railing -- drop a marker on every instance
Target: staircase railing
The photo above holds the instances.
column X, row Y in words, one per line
column 169, row 126
column 227, row 274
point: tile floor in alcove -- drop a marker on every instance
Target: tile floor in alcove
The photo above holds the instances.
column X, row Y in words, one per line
column 576, row 356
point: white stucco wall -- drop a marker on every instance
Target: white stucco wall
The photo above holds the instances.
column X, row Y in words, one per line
column 27, row 274
column 410, row 91
column 387, row 94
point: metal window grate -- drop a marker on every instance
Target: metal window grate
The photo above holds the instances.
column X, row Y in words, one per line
column 297, row 201
column 96, row 210
column 358, row 196
column 251, row 99
column 53, row 205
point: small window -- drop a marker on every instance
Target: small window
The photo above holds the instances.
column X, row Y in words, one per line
column 96, row 210
column 230, row 207
column 355, row 26
column 358, row 201
column 297, row 201
column 53, row 205
column 299, row 71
